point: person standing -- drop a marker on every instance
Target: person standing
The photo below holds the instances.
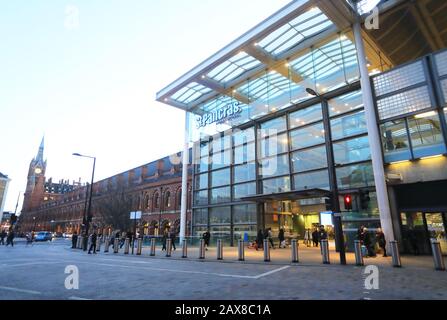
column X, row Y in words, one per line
column 74, row 240
column 322, row 235
column 380, row 239
column 93, row 243
column 270, row 237
column 260, row 239
column 315, row 239
column 206, row 238
column 368, row 243
column 2, row 237
column 10, row 238
column 172, row 237
column 281, row 238
column 163, row 240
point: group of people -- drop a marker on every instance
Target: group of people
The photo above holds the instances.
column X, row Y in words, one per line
column 168, row 234
column 9, row 236
column 268, row 235
column 364, row 237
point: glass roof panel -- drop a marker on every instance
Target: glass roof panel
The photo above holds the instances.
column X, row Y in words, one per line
column 295, row 31
column 234, row 67
column 190, row 93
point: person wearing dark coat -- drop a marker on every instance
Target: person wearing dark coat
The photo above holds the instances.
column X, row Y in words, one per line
column 206, row 238
column 74, row 240
column 172, row 236
column 10, row 238
column 93, row 243
column 281, row 237
column 163, row 240
column 368, row 243
column 2, row 237
column 380, row 239
column 260, row 239
column 315, row 238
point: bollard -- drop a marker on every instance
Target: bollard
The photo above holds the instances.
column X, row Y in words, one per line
column 202, row 249
column 184, row 249
column 139, row 246
column 85, row 243
column 219, row 249
column 241, row 250
column 437, row 255
column 295, row 258
column 325, row 251
column 89, row 242
column 395, row 254
column 98, row 245
column 168, row 248
column 106, row 245
column 116, row 245
column 358, row 253
column 126, row 246
column 152, row 247
column 78, row 244
column 266, row 251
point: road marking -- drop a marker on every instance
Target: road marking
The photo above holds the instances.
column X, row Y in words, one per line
column 271, row 272
column 78, row 298
column 20, row 290
column 31, row 264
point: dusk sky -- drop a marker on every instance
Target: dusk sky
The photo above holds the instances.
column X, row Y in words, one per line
column 84, row 73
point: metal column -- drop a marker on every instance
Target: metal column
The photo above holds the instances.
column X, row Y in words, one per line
column 184, row 200
column 152, row 247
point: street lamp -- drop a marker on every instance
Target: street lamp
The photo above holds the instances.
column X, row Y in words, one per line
column 88, row 219
column 339, row 239
column 34, row 227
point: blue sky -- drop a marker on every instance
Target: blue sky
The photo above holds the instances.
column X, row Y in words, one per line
column 89, row 83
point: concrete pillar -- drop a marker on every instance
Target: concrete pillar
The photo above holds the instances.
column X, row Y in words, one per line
column 184, row 200
column 374, row 137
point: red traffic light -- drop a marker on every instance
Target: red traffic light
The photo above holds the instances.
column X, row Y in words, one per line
column 348, row 202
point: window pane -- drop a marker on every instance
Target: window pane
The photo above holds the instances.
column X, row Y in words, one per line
column 306, row 116
column 277, row 124
column 308, row 136
column 221, row 232
column 244, row 153
column 243, row 190
column 310, row 159
column 221, row 160
column 201, row 181
column 395, row 141
column 276, row 185
column 201, row 216
column 426, row 135
column 244, row 214
column 239, row 232
column 312, row 180
column 354, row 150
column 221, row 143
column 273, row 145
column 220, row 215
column 356, row 176
column 220, row 195
column 243, row 136
column 245, row 172
column 346, row 103
column 274, row 166
column 220, row 178
column 204, row 149
column 203, row 164
column 201, row 197
column 350, row 125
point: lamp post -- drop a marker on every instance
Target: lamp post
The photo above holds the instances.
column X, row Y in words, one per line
column 339, row 239
column 34, row 227
column 88, row 219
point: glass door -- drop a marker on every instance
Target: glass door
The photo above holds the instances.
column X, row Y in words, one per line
column 436, row 229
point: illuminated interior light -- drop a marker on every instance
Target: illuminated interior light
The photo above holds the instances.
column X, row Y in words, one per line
column 343, row 37
column 432, row 157
column 398, row 162
column 425, row 115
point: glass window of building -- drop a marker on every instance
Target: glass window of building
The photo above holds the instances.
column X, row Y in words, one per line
column 201, row 181
column 355, row 176
column 276, row 185
column 220, row 195
column 221, row 143
column 309, row 159
column 426, row 135
column 201, row 197
column 203, row 164
column 204, row 149
column 273, row 127
column 220, row 215
column 243, row 173
column 395, row 141
column 311, row 180
column 239, row 232
column 221, row 160
column 305, row 116
column 244, row 153
column 350, row 125
column 243, row 136
column 220, row 178
column 244, row 189
column 307, row 137
column 244, row 214
column 354, row 150
column 274, row 166
column 221, row 232
column 346, row 103
column 274, row 145
column 201, row 216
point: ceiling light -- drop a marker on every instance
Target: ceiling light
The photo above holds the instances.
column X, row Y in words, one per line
column 397, row 162
column 425, row 115
column 432, row 157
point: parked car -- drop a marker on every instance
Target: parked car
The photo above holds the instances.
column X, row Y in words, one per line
column 43, row 236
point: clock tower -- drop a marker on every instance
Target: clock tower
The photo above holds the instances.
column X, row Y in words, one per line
column 35, row 187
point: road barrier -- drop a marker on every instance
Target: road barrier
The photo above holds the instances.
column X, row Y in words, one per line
column 126, row 246
column 295, row 257
column 106, row 244
column 116, row 245
column 139, row 246
column 184, row 249
column 168, row 248
column 219, row 249
column 152, row 254
column 241, row 250
column 438, row 259
column 202, row 249
column 266, row 251
column 325, row 251
column 395, row 254
column 358, row 253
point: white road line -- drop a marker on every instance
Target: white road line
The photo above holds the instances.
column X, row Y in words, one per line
column 20, row 290
column 78, row 298
column 31, row 264
column 271, row 272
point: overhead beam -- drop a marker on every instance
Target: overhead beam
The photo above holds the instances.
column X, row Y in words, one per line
column 217, row 87
column 429, row 25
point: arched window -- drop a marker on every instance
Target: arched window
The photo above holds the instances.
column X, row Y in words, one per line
column 156, row 200
column 179, row 198
column 168, row 199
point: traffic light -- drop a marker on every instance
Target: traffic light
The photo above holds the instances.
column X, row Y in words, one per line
column 348, row 202
column 364, row 199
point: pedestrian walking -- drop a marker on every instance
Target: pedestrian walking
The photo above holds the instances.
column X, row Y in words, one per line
column 260, row 240
column 380, row 239
column 281, row 238
column 10, row 238
column 206, row 238
column 93, row 243
column 172, row 236
column 163, row 240
column 315, row 237
column 2, row 237
column 269, row 237
column 368, row 243
column 74, row 240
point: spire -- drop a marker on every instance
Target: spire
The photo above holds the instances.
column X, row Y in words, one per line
column 39, row 158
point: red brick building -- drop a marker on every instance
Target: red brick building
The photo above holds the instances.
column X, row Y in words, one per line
column 154, row 188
